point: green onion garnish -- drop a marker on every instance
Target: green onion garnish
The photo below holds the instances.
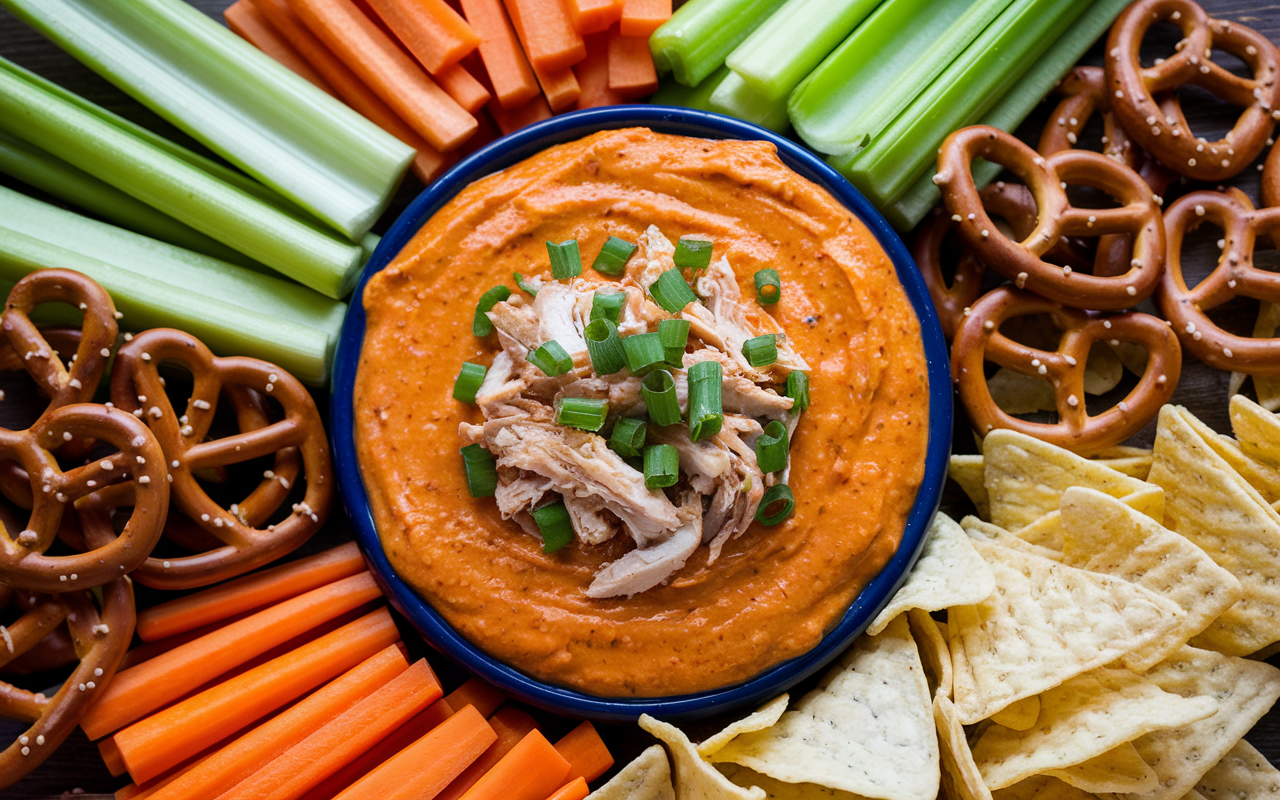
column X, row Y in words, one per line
column 706, row 413
column 551, row 358
column 772, row 447
column 582, row 412
column 659, row 392
column 481, row 326
column 798, row 389
column 566, row 262
column 761, row 350
column 778, row 493
column 692, row 253
column 643, row 351
column 468, row 382
column 604, row 347
column 608, row 306
column 614, row 256
column 554, row 525
column 661, row 466
column 524, row 285
column 674, row 332
column 672, row 292
column 768, row 287
column 482, row 470
column 628, row 437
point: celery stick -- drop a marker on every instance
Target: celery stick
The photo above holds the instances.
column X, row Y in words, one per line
column 734, row 97
column 792, row 41
column 674, row 93
column 234, row 99
column 859, row 89
column 701, row 34
column 233, row 217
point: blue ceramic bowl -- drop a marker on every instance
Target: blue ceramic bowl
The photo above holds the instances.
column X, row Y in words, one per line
column 506, row 152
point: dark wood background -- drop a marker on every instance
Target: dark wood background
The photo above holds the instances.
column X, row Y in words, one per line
column 76, row 767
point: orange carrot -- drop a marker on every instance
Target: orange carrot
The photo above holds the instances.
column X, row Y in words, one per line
column 385, row 69
column 111, row 757
column 164, row 739
column 463, row 87
column 586, row 752
column 155, row 683
column 511, row 725
column 593, row 16
column 631, row 70
column 510, row 75
column 356, row 730
column 238, row 760
column 560, row 88
column 478, row 693
column 549, row 38
column 640, row 18
column 593, row 74
column 261, row 588
column 423, row 769
column 514, row 119
column 247, row 22
column 575, row 789
column 531, row 771
column 436, row 35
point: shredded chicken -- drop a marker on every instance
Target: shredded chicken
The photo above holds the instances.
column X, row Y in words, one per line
column 644, row 568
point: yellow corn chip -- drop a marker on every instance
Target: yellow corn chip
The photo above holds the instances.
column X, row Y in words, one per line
column 934, row 654
column 1047, row 531
column 1103, row 370
column 978, row 529
column 764, row 717
column 967, row 472
column 695, row 778
column 960, row 777
column 1019, row 716
column 1194, row 795
column 1120, row 769
column 1267, row 387
column 1016, row 393
column 1104, row 535
column 1242, row 773
column 779, row 790
column 1042, row 787
column 1263, row 477
column 1257, row 430
column 648, row 777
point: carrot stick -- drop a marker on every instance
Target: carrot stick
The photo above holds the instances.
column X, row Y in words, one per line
column 247, row 22
column 531, row 771
column 111, row 757
column 478, row 693
column 560, row 88
column 549, row 38
column 238, row 760
column 155, row 683
column 423, row 769
column 509, row 120
column 509, row 72
column 586, row 752
column 640, row 18
column 631, row 70
column 164, row 739
column 261, row 588
column 511, row 725
column 356, row 730
column 463, row 88
column 385, row 69
column 575, row 789
column 436, row 35
column 593, row 16
column 593, row 74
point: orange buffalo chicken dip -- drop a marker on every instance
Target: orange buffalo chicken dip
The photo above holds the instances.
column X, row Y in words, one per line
column 591, row 476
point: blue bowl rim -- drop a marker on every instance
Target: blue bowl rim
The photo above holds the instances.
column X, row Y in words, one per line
column 514, row 148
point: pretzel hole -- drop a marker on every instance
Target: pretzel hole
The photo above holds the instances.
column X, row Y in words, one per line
column 1231, row 62
column 1214, row 117
column 1160, row 43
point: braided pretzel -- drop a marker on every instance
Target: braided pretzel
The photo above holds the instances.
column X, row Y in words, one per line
column 100, row 641
column 300, row 435
column 1023, row 262
column 980, row 340
column 1161, row 128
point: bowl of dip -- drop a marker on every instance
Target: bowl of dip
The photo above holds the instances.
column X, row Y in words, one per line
column 754, row 609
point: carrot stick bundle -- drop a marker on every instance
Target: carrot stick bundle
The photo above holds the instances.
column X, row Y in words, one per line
column 631, row 70
column 593, row 74
column 430, row 29
column 504, row 60
column 586, row 752
column 511, row 725
column 531, row 771
column 575, row 789
column 476, row 692
column 640, row 18
column 548, row 36
column 593, row 16
column 247, row 22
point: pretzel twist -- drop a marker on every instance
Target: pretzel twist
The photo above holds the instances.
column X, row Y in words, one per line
column 979, row 340
column 1161, row 127
column 1271, row 180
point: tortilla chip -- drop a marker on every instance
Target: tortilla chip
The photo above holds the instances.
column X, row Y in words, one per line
column 948, row 573
column 1042, row 787
column 934, row 653
column 1243, row 772
column 1244, row 691
column 695, row 778
column 960, row 777
column 648, row 777
column 1267, row 387
column 1104, row 535
column 1120, row 769
column 1080, row 720
column 1103, row 370
column 967, row 472
column 1133, row 356
column 1210, row 504
column 1047, row 623
column 763, row 717
column 1016, row 393
column 978, row 529
column 780, row 790
column 1257, row 430
column 866, row 729
column 1019, row 716
column 1263, row 477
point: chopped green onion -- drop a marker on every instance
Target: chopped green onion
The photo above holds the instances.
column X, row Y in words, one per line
column 628, row 437
column 706, row 411
column 768, row 287
column 778, row 493
column 643, row 351
column 702, row 33
column 659, row 392
column 661, row 466
column 608, row 306
column 481, row 325
column 468, row 382
column 582, row 412
column 613, row 256
column 525, row 285
column 798, row 389
column 761, row 350
column 566, row 261
column 551, row 358
column 604, row 347
column 555, row 526
column 482, row 470
column 674, row 332
column 772, row 448
column 672, row 292
column 692, row 253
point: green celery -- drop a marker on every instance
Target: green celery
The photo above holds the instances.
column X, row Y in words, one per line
column 674, row 93
column 737, row 99
column 792, row 42
column 862, row 86
column 701, row 34
column 239, row 102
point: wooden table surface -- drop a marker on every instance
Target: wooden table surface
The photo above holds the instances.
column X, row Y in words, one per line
column 76, row 767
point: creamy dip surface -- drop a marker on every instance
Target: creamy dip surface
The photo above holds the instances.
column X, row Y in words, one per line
column 857, row 456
